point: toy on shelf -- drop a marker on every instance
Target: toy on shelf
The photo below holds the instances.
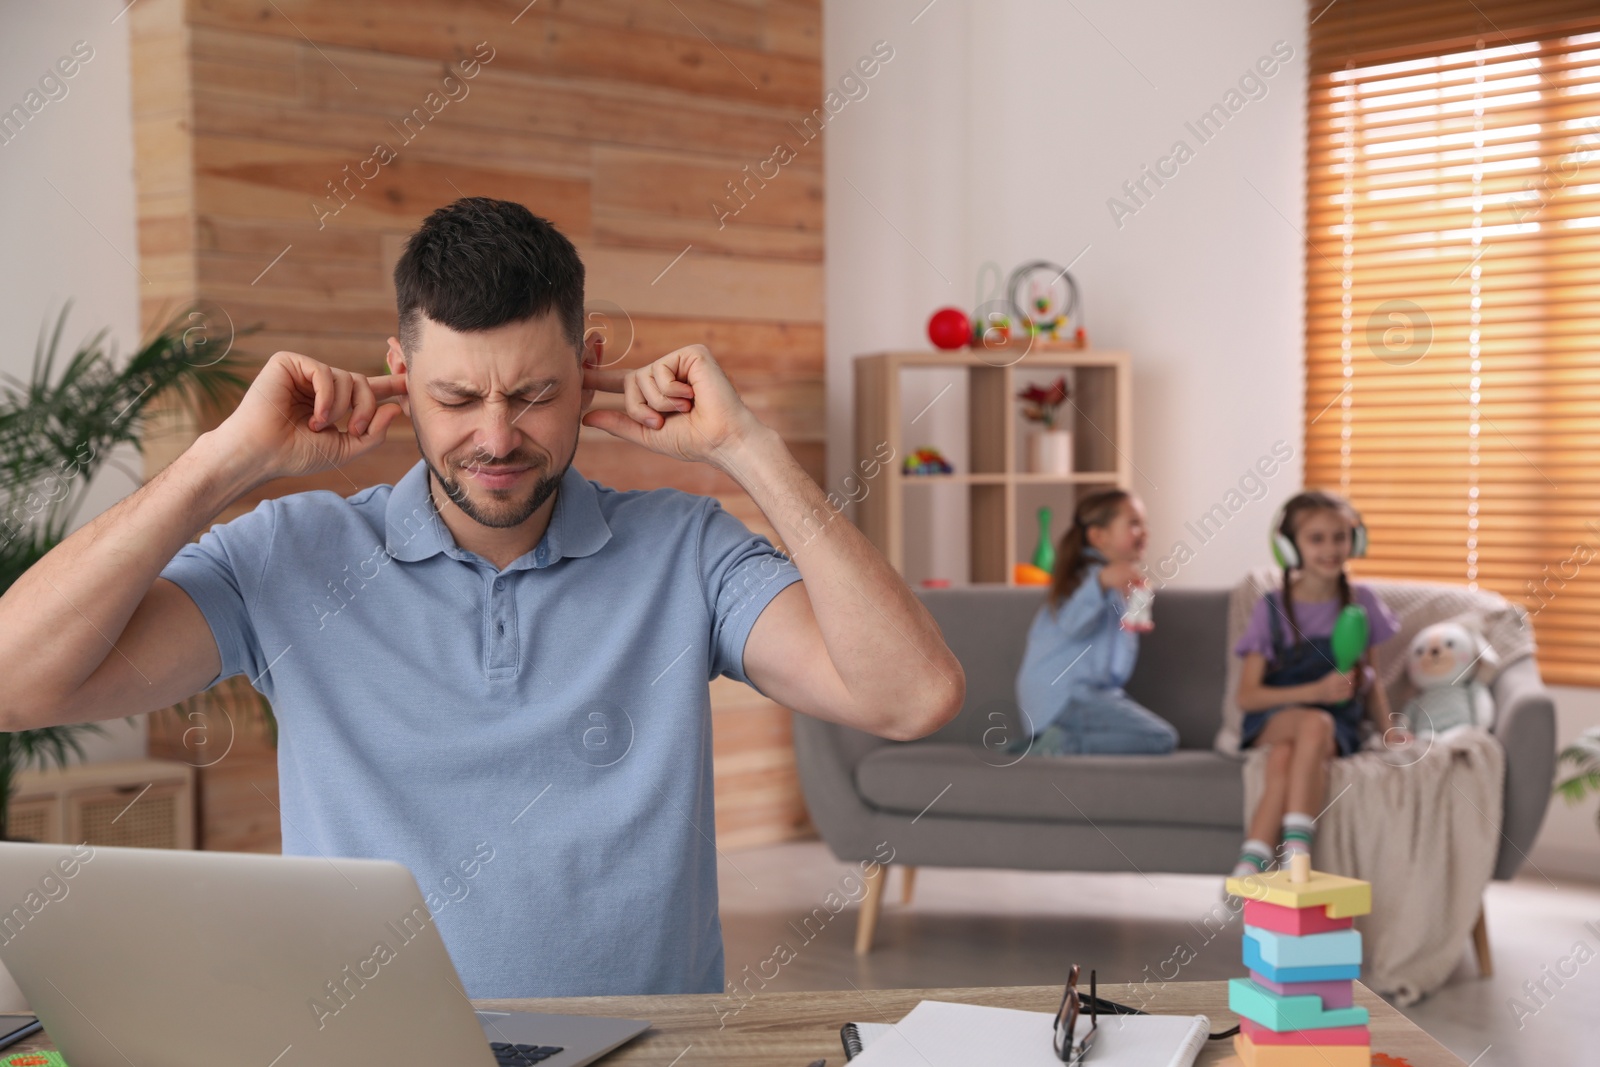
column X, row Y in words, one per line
column 949, row 328
column 1046, row 299
column 926, row 461
column 1039, row 301
column 1297, row 1008
column 1028, row 574
column 1044, row 552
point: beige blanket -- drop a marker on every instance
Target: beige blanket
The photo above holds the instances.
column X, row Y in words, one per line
column 1424, row 828
column 1421, row 823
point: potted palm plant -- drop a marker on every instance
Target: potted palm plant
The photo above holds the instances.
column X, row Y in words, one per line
column 1584, row 755
column 58, row 429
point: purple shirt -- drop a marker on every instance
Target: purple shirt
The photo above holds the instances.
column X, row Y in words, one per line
column 1314, row 619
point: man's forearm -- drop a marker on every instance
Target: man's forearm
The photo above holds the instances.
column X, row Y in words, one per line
column 882, row 641
column 83, row 592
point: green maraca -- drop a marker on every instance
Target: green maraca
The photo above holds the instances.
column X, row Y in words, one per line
column 1351, row 632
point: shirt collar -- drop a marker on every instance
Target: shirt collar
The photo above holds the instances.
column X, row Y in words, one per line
column 414, row 531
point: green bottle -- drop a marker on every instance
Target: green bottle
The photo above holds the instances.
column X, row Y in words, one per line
column 1044, row 555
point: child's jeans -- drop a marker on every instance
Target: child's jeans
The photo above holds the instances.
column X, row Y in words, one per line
column 1100, row 722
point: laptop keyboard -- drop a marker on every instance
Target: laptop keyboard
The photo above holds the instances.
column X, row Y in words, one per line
column 509, row 1055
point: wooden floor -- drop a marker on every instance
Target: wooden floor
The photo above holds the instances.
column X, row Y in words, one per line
column 969, row 928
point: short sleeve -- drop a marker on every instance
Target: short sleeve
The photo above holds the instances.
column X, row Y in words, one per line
column 1257, row 636
column 222, row 575
column 741, row 572
column 1382, row 622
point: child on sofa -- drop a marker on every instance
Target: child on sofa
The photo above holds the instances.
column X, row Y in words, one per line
column 1296, row 703
column 1079, row 654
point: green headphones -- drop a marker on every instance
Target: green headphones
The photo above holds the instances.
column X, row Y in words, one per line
column 1287, row 554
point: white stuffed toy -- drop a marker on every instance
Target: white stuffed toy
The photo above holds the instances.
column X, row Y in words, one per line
column 1448, row 664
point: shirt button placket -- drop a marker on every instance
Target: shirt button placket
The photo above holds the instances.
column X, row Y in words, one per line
column 502, row 615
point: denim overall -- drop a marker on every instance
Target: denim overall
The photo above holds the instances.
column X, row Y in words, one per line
column 1297, row 665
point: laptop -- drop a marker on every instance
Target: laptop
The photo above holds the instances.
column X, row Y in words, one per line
column 193, row 959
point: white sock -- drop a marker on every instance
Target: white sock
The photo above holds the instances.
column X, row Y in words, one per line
column 1299, row 830
column 1254, row 857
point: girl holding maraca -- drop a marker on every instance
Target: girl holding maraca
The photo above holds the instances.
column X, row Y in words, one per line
column 1306, row 681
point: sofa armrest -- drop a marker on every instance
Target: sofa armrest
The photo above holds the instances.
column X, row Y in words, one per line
column 826, row 757
column 1525, row 725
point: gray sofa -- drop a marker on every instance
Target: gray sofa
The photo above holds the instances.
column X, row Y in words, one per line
column 956, row 799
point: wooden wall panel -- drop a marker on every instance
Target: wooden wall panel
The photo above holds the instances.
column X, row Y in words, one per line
column 625, row 122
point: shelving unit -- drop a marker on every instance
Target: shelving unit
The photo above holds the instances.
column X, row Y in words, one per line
column 1099, row 413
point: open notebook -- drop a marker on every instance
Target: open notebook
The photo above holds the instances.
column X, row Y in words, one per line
column 940, row 1034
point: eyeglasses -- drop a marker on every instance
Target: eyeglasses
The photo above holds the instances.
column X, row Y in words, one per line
column 1068, row 1050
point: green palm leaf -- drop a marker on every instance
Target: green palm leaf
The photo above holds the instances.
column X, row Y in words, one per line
column 59, row 427
column 1584, row 754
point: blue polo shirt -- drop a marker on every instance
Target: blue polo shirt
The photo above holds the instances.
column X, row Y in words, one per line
column 534, row 743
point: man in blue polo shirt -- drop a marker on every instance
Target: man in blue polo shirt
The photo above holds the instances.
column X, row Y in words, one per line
column 494, row 671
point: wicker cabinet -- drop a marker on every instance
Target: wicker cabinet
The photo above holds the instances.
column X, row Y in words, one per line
column 129, row 803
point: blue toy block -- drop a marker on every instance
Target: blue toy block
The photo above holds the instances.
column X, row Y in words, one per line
column 1337, row 948
column 1253, row 960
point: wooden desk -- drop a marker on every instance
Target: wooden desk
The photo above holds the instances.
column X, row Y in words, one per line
column 792, row 1029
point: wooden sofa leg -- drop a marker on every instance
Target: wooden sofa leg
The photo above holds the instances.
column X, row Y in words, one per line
column 908, row 884
column 871, row 904
column 1480, row 945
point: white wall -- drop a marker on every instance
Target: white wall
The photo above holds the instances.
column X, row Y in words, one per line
column 67, row 213
column 998, row 132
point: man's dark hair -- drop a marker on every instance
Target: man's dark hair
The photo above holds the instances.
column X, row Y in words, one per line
column 480, row 263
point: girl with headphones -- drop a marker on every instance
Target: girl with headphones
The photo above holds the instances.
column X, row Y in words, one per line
column 1082, row 644
column 1296, row 703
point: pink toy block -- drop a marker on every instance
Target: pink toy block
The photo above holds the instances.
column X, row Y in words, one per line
column 1334, row 994
column 1334, row 1035
column 1296, row 922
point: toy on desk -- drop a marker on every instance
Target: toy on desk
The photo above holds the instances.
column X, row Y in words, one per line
column 1297, row 1008
column 1449, row 664
column 33, row 1059
column 926, row 461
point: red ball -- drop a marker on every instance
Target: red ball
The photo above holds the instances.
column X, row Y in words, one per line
column 950, row 328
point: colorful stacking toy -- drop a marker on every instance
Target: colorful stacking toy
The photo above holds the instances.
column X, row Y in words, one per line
column 1297, row 1007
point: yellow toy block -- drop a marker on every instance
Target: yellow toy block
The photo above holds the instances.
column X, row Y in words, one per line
column 1344, row 897
column 1254, row 1055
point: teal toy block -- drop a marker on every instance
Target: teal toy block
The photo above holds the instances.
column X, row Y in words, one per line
column 1280, row 1014
column 1338, row 948
column 1272, row 972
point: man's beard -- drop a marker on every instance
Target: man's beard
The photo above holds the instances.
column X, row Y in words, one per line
column 500, row 510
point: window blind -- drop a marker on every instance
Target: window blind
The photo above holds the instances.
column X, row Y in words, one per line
column 1453, row 298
